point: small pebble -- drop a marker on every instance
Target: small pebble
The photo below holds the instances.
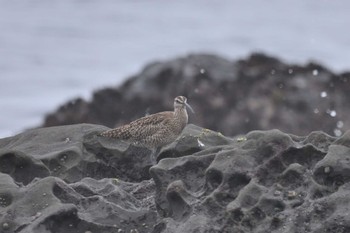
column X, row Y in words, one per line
column 115, row 181
column 277, row 193
column 241, row 139
column 291, row 194
column 200, row 144
column 5, row 226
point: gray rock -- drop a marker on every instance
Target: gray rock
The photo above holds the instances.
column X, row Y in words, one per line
column 54, row 180
column 261, row 182
column 68, row 179
column 71, row 153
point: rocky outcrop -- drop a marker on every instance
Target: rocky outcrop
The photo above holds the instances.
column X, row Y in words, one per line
column 68, row 179
column 259, row 92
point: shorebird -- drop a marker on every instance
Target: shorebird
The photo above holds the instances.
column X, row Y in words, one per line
column 156, row 130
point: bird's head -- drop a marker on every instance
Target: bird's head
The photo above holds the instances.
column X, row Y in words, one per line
column 181, row 102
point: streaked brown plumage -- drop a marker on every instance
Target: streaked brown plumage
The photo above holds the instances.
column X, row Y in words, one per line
column 156, row 130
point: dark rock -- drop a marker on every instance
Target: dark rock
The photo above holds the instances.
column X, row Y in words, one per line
column 72, row 153
column 68, row 179
column 51, row 205
column 54, row 180
column 261, row 182
column 259, row 92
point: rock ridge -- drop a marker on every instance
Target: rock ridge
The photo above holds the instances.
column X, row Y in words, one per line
column 67, row 179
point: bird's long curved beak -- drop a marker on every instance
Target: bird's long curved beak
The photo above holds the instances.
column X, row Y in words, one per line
column 190, row 108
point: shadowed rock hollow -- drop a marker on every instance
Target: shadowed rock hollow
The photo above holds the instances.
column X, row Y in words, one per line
column 67, row 179
column 231, row 97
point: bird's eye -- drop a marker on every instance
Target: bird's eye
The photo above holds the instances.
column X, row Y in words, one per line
column 180, row 100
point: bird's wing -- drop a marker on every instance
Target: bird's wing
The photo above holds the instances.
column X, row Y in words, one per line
column 154, row 119
column 140, row 128
column 149, row 125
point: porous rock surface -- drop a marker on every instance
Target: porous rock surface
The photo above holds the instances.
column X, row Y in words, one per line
column 232, row 97
column 68, row 179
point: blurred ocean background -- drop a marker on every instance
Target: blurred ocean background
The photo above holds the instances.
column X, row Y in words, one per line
column 54, row 50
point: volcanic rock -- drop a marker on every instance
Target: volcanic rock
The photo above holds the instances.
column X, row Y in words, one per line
column 232, row 97
column 69, row 179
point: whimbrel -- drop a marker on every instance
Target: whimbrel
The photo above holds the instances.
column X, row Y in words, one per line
column 156, row 130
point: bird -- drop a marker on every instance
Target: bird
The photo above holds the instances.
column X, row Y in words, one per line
column 156, row 130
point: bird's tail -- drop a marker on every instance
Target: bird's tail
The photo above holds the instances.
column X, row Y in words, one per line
column 119, row 133
column 108, row 133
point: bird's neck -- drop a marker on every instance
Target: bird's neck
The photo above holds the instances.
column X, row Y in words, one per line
column 181, row 115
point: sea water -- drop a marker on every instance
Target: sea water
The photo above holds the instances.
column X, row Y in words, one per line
column 53, row 51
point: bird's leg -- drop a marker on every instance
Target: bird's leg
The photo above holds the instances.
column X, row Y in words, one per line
column 155, row 154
